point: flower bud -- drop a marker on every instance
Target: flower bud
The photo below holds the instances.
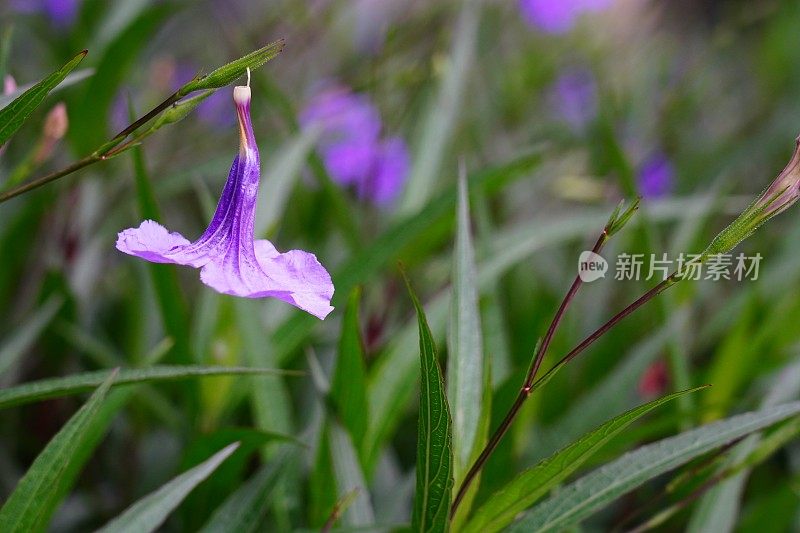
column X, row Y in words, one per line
column 55, row 127
column 785, row 190
column 9, row 84
column 56, row 122
column 779, row 196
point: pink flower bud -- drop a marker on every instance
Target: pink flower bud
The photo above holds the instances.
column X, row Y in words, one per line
column 56, row 122
column 9, row 84
column 785, row 190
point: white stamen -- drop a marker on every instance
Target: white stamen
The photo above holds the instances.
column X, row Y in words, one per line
column 248, row 76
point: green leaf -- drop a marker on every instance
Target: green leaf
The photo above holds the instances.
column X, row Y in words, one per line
column 281, row 173
column 465, row 367
column 349, row 477
column 39, row 492
column 226, row 74
column 244, row 509
column 71, row 79
column 348, row 386
column 719, row 507
column 391, row 379
column 441, row 118
column 404, row 234
column 434, row 439
column 523, row 491
column 176, row 112
column 69, row 385
column 90, row 113
column 150, row 512
column 598, row 489
column 24, row 336
column 13, row 115
column 171, row 303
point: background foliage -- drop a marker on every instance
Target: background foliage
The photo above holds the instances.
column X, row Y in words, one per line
column 551, row 128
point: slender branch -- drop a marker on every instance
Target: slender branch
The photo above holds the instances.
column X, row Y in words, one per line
column 529, row 387
column 149, row 116
column 602, row 330
column 104, row 152
column 548, row 337
column 525, row 390
column 43, row 180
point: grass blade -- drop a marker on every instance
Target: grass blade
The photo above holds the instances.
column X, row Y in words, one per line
column 151, row 511
column 171, row 303
column 14, row 114
column 243, row 510
column 39, row 492
column 719, row 507
column 15, row 347
column 349, row 477
column 599, row 488
column 443, row 113
column 523, row 491
column 75, row 384
column 281, row 174
column 348, row 386
column 465, row 368
column 434, row 440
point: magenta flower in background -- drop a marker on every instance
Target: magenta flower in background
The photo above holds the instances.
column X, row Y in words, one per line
column 574, row 96
column 61, row 13
column 351, row 146
column 654, row 381
column 231, row 260
column 656, row 176
column 558, row 16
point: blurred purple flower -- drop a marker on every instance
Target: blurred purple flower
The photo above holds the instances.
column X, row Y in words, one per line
column 656, row 176
column 558, row 16
column 231, row 260
column 574, row 96
column 352, row 150
column 61, row 13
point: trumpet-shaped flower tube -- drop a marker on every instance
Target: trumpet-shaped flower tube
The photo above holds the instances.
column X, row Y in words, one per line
column 231, row 260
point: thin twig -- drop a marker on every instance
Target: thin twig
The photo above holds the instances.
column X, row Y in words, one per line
column 525, row 390
column 96, row 156
column 528, row 387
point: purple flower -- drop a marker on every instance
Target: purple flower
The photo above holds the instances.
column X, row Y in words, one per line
column 656, row 176
column 61, row 13
column 351, row 147
column 558, row 16
column 231, row 260
column 574, row 95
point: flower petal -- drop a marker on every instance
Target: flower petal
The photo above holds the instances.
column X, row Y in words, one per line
column 296, row 277
column 153, row 242
column 306, row 281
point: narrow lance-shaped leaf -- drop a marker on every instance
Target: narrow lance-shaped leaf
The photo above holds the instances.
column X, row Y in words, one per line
column 523, row 491
column 601, row 487
column 71, row 79
column 349, row 477
column 39, row 492
column 226, row 74
column 434, row 439
column 15, row 347
column 348, row 386
column 243, row 509
column 151, row 511
column 69, row 385
column 14, row 114
column 441, row 118
column 465, row 366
